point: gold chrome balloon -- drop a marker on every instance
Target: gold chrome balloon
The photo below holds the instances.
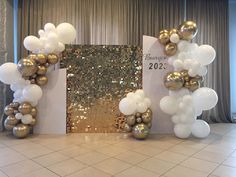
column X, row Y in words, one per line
column 140, row 131
column 147, row 116
column 8, row 126
column 27, row 67
column 33, row 122
column 170, row 49
column 21, row 131
column 185, row 75
column 34, row 112
column 173, row 81
column 164, row 38
column 188, row 30
column 14, row 105
column 130, row 120
column 138, row 119
column 33, row 81
column 138, row 114
column 8, row 110
column 41, row 80
column 52, row 58
column 11, row 120
column 127, row 128
column 25, row 108
column 42, row 70
column 41, row 58
column 32, row 56
column 173, row 31
column 163, row 31
column 187, row 85
column 194, row 85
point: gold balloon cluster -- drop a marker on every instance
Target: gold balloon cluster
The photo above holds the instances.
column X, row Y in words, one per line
column 177, row 80
column 139, row 124
column 186, row 31
column 12, row 123
column 34, row 67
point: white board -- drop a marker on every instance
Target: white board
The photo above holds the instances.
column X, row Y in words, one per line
column 155, row 66
column 51, row 117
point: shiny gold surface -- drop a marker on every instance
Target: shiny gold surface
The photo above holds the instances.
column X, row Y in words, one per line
column 97, row 78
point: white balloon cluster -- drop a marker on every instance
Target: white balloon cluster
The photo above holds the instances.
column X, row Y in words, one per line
column 134, row 102
column 184, row 106
column 52, row 39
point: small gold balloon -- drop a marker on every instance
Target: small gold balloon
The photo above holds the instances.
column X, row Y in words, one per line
column 127, row 128
column 32, row 81
column 34, row 112
column 138, row 114
column 170, row 49
column 139, row 120
column 147, row 116
column 21, row 131
column 32, row 56
column 41, row 80
column 8, row 126
column 27, row 67
column 130, row 120
column 163, row 31
column 25, row 108
column 8, row 110
column 173, row 31
column 14, row 105
column 42, row 70
column 194, row 85
column 173, row 81
column 33, row 122
column 41, row 58
column 188, row 30
column 164, row 38
column 187, row 85
column 11, row 120
column 52, row 58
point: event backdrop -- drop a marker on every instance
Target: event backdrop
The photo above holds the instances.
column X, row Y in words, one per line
column 98, row 76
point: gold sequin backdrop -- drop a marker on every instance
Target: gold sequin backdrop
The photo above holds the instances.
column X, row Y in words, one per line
column 98, row 76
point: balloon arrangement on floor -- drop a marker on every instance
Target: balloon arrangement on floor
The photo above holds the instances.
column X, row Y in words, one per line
column 136, row 108
column 27, row 77
column 186, row 99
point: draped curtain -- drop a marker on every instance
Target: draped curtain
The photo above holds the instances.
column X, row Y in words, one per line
column 124, row 22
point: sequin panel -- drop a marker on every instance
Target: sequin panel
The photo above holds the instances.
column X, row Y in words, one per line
column 98, row 77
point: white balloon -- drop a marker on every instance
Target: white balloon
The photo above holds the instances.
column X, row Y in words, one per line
column 41, row 33
column 148, row 102
column 9, row 73
column 32, row 43
column 66, row 33
column 188, row 99
column 17, row 93
column 187, row 64
column 18, row 116
column 127, row 106
column 27, row 119
column 140, row 92
column 178, row 64
column 204, row 98
column 60, row 47
column 137, row 98
column 174, row 38
column 169, row 105
column 32, row 93
column 53, row 37
column 179, row 93
column 49, row 48
column 182, row 130
column 171, row 60
column 130, row 95
column 49, row 27
column 175, row 119
column 202, row 71
column 200, row 129
column 182, row 45
column 205, row 54
column 142, row 107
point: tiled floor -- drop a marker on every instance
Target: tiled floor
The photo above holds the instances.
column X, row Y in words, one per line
column 106, row 155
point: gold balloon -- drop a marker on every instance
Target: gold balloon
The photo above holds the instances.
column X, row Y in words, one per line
column 138, row 114
column 139, row 120
column 147, row 116
column 130, row 120
column 170, row 49
column 32, row 56
column 164, row 38
column 8, row 126
column 185, row 75
column 21, row 131
column 8, row 110
column 27, row 67
column 32, row 81
column 34, row 112
column 197, row 78
column 194, row 85
column 25, row 108
column 52, row 58
column 41, row 58
column 163, row 31
column 42, row 70
column 41, row 80
column 188, row 30
column 14, row 105
column 33, row 122
column 187, row 85
column 173, row 81
column 140, row 131
column 173, row 31
column 127, row 128
column 11, row 120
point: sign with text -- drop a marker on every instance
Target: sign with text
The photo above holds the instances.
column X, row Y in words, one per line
column 155, row 67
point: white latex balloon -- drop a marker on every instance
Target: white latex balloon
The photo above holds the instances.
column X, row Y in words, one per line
column 148, row 102
column 49, row 27
column 27, row 119
column 142, row 107
column 130, row 95
column 9, row 73
column 66, row 33
column 175, row 119
column 179, row 93
column 205, row 54
column 204, row 98
column 182, row 130
column 17, row 93
column 182, row 45
column 60, row 47
column 202, row 71
column 18, row 116
column 169, row 105
column 178, row 64
column 41, row 33
column 174, row 38
column 49, row 48
column 127, row 106
column 137, row 98
column 32, row 43
column 200, row 129
column 140, row 92
column 32, row 93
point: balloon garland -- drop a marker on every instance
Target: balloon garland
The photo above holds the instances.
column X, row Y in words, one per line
column 138, row 115
column 27, row 77
column 186, row 99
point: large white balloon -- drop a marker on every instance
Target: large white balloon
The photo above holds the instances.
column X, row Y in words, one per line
column 32, row 43
column 204, row 98
column 182, row 130
column 66, row 33
column 200, row 129
column 205, row 54
column 127, row 106
column 9, row 73
column 169, row 105
column 32, row 93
